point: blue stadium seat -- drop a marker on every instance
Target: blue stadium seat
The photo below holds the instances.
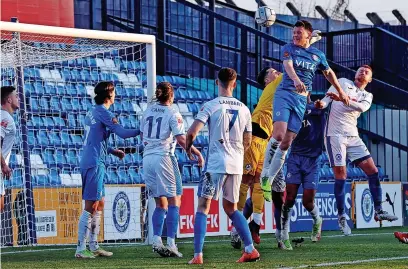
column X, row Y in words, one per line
column 85, row 75
column 76, row 105
column 28, row 88
column 75, row 75
column 55, row 104
column 127, row 106
column 183, row 95
column 192, row 95
column 71, row 90
column 195, row 173
column 81, row 89
column 43, row 138
column 138, row 158
column 94, row 75
column 59, row 122
column 48, row 158
column 128, row 160
column 32, row 140
column 77, row 140
column 90, row 61
column 86, row 104
column 48, row 122
column 134, row 176
column 37, row 121
column 55, row 139
column 186, row 173
column 112, row 177
column 54, row 177
column 123, row 177
column 65, row 139
column 34, row 107
column 120, row 92
column 120, row 142
column 192, row 107
column 81, row 120
column 60, row 158
column 16, row 178
column 28, row 73
column 43, row 104
column 66, row 74
column 72, row 157
column 72, row 121
column 38, row 88
column 50, row 89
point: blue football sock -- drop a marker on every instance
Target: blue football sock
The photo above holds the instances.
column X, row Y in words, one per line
column 200, row 228
column 376, row 190
column 158, row 220
column 172, row 221
column 241, row 225
column 248, row 208
column 339, row 193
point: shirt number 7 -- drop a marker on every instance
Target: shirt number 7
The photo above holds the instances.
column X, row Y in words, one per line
column 234, row 113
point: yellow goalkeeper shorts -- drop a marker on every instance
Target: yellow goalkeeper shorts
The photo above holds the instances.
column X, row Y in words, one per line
column 254, row 156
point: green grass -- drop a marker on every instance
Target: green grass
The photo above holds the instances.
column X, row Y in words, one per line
column 219, row 254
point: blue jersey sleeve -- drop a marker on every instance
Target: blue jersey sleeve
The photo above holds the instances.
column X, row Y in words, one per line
column 113, row 125
column 286, row 52
column 323, row 64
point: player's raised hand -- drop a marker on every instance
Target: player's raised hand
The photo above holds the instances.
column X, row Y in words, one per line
column 319, row 104
column 344, row 98
column 300, row 86
column 6, row 170
column 119, row 153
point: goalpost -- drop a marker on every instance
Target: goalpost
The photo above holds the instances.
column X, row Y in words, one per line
column 54, row 70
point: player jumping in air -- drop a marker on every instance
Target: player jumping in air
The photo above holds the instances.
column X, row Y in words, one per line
column 99, row 124
column 342, row 142
column 300, row 63
column 9, row 104
column 229, row 124
column 161, row 128
column 303, row 165
column 254, row 159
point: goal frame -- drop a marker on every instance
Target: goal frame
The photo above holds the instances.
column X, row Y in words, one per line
column 17, row 28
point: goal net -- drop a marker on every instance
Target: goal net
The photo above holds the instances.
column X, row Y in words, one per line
column 55, row 70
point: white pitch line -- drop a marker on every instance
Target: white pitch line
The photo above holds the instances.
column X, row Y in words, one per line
column 347, row 262
column 183, row 242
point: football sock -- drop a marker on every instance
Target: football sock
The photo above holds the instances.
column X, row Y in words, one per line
column 241, row 225
column 339, row 193
column 95, row 226
column 172, row 223
column 376, row 190
column 248, row 209
column 243, row 192
column 200, row 228
column 285, row 222
column 276, row 164
column 269, row 152
column 158, row 220
column 82, row 229
column 314, row 213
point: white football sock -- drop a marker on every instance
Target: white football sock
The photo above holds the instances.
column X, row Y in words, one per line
column 285, row 221
column 82, row 230
column 269, row 152
column 314, row 213
column 171, row 241
column 95, row 226
column 257, row 218
column 276, row 164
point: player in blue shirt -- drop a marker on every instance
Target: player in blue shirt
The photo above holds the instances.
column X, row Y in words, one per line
column 300, row 63
column 99, row 124
column 303, row 168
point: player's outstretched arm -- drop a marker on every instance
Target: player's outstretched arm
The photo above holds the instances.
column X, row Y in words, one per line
column 115, row 127
column 361, row 106
column 332, row 78
column 290, row 70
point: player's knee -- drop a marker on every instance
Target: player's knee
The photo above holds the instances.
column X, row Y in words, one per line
column 307, row 203
column 340, row 172
column 279, row 136
column 285, row 145
column 229, row 207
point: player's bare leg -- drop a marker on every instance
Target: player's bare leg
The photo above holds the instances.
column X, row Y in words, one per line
column 371, row 171
column 308, row 203
column 340, row 175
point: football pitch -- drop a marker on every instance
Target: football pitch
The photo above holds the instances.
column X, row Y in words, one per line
column 367, row 248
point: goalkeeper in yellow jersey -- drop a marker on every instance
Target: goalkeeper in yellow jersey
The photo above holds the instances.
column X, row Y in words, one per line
column 262, row 125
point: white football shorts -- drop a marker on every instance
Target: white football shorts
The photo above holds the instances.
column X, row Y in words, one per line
column 341, row 148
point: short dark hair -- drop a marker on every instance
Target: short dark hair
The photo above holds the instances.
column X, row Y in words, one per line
column 367, row 66
column 102, row 91
column 5, row 93
column 164, row 91
column 261, row 76
column 305, row 24
column 226, row 75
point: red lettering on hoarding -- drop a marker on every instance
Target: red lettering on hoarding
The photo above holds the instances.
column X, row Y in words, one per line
column 187, row 211
column 213, row 219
